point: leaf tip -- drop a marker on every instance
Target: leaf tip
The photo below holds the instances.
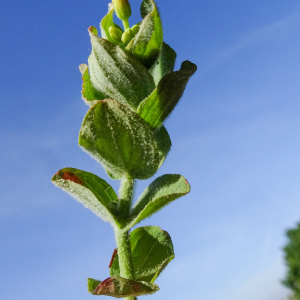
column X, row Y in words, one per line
column 188, row 67
column 93, row 31
column 92, row 284
column 67, row 175
column 82, row 68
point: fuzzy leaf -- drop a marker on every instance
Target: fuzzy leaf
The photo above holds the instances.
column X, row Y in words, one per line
column 106, row 22
column 90, row 190
column 92, row 284
column 118, row 75
column 146, row 45
column 120, row 139
column 89, row 94
column 119, row 287
column 152, row 250
column 159, row 193
column 163, row 142
column 159, row 105
column 164, row 64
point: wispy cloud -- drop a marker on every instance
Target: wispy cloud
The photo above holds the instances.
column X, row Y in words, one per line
column 266, row 33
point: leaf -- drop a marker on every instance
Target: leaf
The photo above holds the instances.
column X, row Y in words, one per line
column 90, row 190
column 89, row 94
column 119, row 139
column 106, row 22
column 163, row 142
column 119, row 287
column 146, row 45
column 158, row 106
column 118, row 75
column 159, row 193
column 164, row 64
column 92, row 284
column 152, row 250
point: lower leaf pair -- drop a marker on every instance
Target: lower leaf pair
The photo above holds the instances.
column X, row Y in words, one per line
column 151, row 251
column 120, row 287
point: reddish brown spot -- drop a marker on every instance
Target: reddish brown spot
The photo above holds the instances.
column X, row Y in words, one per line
column 137, row 288
column 113, row 257
column 72, row 177
column 186, row 182
column 106, row 287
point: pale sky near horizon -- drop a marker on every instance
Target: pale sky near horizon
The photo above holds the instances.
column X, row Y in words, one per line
column 235, row 136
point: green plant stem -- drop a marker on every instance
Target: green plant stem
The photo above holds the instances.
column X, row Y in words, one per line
column 125, row 197
column 122, row 237
column 126, row 24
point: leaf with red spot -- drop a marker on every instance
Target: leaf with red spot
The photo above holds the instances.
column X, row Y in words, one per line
column 151, row 251
column 158, row 194
column 120, row 287
column 90, row 190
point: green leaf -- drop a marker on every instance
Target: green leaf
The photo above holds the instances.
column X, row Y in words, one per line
column 159, row 193
column 119, row 139
column 106, row 22
column 92, row 284
column 90, row 190
column 163, row 142
column 152, row 250
column 159, row 105
column 89, row 94
column 164, row 64
column 146, row 45
column 119, row 287
column 118, row 75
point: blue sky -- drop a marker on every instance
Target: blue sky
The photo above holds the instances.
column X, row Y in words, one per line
column 235, row 135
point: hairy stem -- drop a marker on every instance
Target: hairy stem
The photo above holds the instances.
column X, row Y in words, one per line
column 125, row 197
column 122, row 237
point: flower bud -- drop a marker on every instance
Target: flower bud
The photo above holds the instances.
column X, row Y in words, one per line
column 115, row 34
column 127, row 36
column 135, row 29
column 122, row 9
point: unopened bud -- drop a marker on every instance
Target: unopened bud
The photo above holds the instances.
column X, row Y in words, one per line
column 122, row 9
column 135, row 29
column 127, row 36
column 115, row 34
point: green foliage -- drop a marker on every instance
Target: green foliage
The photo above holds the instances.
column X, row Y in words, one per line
column 158, row 106
column 107, row 22
column 89, row 94
column 120, row 139
column 90, row 190
column 164, row 63
column 146, row 45
column 292, row 259
column 132, row 89
column 151, row 250
column 118, row 75
column 164, row 143
column 158, row 194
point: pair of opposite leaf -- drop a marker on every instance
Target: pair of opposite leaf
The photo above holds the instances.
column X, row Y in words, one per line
column 151, row 251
